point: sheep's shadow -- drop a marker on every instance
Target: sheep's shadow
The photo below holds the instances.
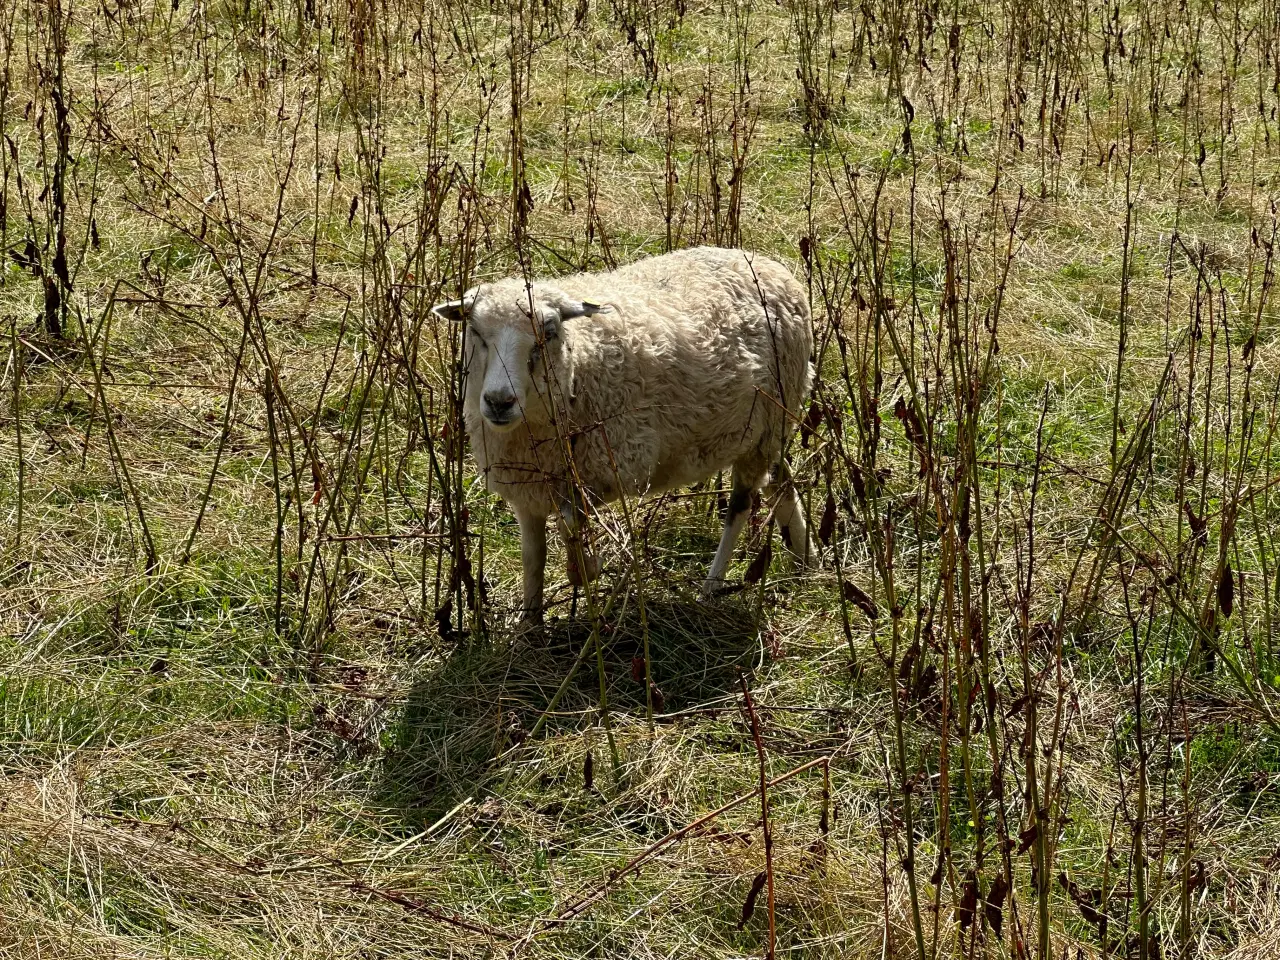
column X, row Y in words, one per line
column 485, row 697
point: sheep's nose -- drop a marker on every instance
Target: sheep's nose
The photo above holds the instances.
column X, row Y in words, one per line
column 499, row 402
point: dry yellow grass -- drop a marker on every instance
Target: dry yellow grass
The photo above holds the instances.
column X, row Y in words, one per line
column 307, row 738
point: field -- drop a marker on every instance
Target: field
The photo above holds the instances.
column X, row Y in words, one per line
column 261, row 692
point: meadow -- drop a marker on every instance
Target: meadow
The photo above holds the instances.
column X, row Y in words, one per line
column 261, row 692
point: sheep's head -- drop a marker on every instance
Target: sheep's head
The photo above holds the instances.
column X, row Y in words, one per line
column 515, row 354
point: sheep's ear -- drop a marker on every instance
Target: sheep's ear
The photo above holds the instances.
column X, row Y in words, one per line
column 572, row 309
column 455, row 311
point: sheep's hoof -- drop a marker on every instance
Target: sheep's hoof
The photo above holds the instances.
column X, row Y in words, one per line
column 530, row 627
column 581, row 576
column 813, row 560
column 712, row 588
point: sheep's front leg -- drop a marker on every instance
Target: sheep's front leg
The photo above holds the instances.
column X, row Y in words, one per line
column 581, row 564
column 533, row 559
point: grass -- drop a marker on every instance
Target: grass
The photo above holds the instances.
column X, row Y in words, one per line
column 253, row 702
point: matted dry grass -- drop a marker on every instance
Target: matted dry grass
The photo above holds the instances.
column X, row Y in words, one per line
column 287, row 733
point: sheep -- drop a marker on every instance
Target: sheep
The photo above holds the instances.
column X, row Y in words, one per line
column 653, row 376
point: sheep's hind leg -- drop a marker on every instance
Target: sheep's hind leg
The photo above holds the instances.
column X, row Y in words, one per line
column 790, row 516
column 533, row 560
column 735, row 519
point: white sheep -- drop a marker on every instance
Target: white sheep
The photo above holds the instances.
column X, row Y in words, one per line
column 653, row 376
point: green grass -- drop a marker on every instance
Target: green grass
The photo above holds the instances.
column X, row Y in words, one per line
column 273, row 749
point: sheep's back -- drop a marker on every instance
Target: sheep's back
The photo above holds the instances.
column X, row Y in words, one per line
column 690, row 369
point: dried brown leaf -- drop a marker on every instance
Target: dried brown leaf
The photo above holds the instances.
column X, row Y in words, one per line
column 859, row 598
column 749, row 907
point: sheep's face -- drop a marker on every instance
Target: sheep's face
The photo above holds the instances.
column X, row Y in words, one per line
column 515, row 354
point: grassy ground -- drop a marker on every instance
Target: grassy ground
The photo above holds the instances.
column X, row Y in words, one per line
column 259, row 690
